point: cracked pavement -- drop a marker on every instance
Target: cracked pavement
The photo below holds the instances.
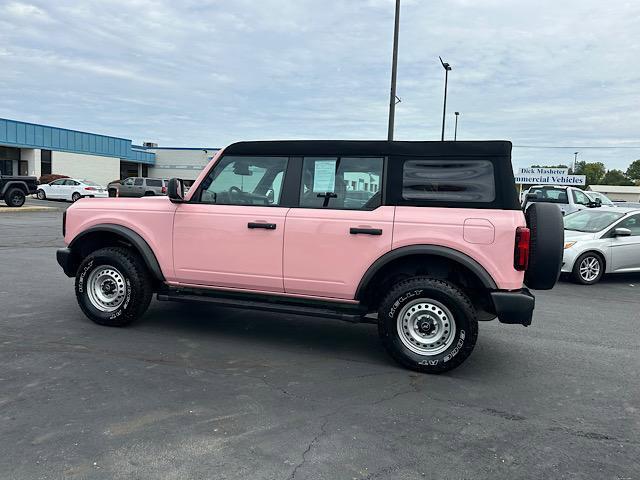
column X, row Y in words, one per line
column 194, row 391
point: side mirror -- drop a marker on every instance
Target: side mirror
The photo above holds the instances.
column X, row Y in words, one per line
column 175, row 190
column 622, row 232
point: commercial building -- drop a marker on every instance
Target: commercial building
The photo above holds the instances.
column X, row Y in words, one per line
column 618, row 193
column 36, row 150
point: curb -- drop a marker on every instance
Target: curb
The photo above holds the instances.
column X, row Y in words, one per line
column 26, row 209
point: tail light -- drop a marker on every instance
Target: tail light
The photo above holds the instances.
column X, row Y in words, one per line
column 164, row 189
column 521, row 253
column 90, row 188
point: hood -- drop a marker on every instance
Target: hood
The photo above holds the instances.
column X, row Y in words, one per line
column 573, row 236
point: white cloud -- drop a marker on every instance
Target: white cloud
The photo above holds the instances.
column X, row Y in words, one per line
column 207, row 72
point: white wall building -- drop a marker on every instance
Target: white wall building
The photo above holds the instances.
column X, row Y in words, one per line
column 618, row 193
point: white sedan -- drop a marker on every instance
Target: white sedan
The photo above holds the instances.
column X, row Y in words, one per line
column 70, row 189
column 601, row 240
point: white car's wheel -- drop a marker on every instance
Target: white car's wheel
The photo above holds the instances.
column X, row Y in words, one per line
column 588, row 269
column 41, row 195
column 75, row 197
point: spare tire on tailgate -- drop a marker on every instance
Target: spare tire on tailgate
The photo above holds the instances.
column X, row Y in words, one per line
column 546, row 246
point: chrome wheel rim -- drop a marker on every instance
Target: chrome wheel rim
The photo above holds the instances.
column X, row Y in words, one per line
column 106, row 288
column 40, row 195
column 426, row 327
column 589, row 269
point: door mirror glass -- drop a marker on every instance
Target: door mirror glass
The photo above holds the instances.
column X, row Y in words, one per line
column 622, row 232
column 175, row 190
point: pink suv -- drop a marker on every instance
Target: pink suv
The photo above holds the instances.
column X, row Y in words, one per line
column 428, row 235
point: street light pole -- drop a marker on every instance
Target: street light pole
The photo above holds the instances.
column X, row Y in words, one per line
column 455, row 132
column 394, row 72
column 446, row 67
column 575, row 160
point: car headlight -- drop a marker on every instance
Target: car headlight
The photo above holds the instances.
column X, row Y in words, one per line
column 569, row 244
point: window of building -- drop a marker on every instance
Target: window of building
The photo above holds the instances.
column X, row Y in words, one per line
column 7, row 156
column 449, row 181
column 245, row 181
column 341, row 183
column 45, row 162
column 145, row 170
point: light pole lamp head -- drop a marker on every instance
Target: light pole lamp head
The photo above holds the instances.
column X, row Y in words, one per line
column 445, row 65
column 456, row 113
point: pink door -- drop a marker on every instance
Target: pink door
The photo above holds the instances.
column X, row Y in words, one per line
column 337, row 232
column 231, row 232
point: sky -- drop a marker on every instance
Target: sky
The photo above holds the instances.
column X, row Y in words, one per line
column 205, row 73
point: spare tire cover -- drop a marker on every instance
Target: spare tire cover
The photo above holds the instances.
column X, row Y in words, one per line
column 547, row 245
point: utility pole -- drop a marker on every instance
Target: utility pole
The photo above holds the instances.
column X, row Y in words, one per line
column 394, row 72
column 575, row 160
column 455, row 132
column 446, row 67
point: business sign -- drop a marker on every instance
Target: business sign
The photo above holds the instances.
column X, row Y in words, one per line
column 543, row 171
column 548, row 176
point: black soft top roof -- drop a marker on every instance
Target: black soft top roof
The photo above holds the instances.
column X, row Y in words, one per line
column 492, row 148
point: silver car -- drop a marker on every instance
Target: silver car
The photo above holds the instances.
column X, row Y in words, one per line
column 601, row 240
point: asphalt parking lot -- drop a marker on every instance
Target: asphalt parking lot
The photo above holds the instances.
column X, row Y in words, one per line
column 203, row 392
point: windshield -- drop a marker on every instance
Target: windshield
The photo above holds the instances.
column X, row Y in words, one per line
column 603, row 198
column 590, row 221
column 550, row 194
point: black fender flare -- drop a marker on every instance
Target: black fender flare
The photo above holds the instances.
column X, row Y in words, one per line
column 15, row 183
column 132, row 237
column 435, row 250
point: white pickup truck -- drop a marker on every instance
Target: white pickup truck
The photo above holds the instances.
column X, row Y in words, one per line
column 569, row 199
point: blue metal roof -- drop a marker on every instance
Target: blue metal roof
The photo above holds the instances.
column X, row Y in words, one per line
column 30, row 135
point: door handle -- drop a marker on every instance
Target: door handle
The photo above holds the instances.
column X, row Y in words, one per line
column 365, row 231
column 266, row 226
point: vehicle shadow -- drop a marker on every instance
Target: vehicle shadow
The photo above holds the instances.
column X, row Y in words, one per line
column 251, row 331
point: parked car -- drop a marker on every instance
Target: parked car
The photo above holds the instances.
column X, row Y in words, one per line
column 569, row 199
column 595, row 196
column 627, row 204
column 271, row 226
column 600, row 241
column 138, row 187
column 14, row 189
column 70, row 189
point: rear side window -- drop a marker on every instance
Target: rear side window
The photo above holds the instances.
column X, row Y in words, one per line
column 550, row 194
column 458, row 181
column 137, row 181
column 153, row 182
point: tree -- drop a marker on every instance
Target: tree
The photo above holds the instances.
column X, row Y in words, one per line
column 593, row 171
column 633, row 172
column 616, row 177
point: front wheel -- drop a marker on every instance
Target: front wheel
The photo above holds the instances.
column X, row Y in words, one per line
column 588, row 269
column 113, row 287
column 41, row 195
column 428, row 325
column 14, row 197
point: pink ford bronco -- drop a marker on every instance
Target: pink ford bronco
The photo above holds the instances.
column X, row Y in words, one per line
column 428, row 235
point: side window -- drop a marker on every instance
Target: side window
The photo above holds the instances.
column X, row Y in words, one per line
column 351, row 183
column 154, row 182
column 449, row 181
column 580, row 198
column 632, row 223
column 58, row 182
column 71, row 182
column 245, row 181
column 138, row 181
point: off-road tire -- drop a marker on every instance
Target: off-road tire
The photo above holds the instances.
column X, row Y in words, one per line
column 41, row 195
column 575, row 273
column 138, row 288
column 14, row 197
column 546, row 246
column 452, row 298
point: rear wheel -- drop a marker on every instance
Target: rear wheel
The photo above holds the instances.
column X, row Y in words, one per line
column 75, row 197
column 588, row 269
column 113, row 287
column 149, row 194
column 427, row 325
column 41, row 195
column 14, row 197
